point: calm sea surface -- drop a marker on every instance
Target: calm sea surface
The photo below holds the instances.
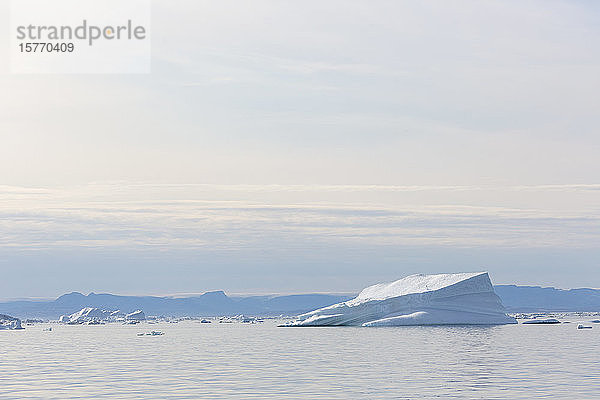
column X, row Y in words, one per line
column 261, row 361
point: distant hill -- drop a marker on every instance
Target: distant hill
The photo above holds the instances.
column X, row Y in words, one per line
column 515, row 299
column 208, row 304
column 536, row 298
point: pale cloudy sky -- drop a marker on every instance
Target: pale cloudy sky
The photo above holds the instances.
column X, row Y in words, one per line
column 311, row 146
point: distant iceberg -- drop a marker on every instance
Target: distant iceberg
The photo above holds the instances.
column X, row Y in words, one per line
column 86, row 315
column 137, row 315
column 8, row 322
column 95, row 316
column 443, row 299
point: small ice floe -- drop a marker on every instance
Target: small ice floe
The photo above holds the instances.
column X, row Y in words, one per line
column 581, row 326
column 542, row 321
column 151, row 333
column 95, row 322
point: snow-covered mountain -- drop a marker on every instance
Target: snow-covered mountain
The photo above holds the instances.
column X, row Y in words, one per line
column 208, row 304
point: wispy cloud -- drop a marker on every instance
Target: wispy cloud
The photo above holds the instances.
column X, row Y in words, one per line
column 174, row 217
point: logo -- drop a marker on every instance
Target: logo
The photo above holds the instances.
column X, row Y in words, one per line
column 85, row 31
column 80, row 36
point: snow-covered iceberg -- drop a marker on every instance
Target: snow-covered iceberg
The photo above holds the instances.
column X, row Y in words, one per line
column 87, row 314
column 137, row 315
column 91, row 315
column 444, row 299
column 8, row 322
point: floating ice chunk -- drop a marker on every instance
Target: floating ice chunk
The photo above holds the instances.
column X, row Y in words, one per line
column 151, row 333
column 9, row 323
column 541, row 321
column 444, row 299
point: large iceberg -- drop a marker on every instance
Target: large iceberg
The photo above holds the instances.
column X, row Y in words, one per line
column 443, row 299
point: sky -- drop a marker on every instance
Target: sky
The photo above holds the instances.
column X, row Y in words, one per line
column 314, row 146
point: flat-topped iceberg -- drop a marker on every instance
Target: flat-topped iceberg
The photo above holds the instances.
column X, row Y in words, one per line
column 443, row 299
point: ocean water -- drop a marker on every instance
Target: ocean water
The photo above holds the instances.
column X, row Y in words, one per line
column 261, row 361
